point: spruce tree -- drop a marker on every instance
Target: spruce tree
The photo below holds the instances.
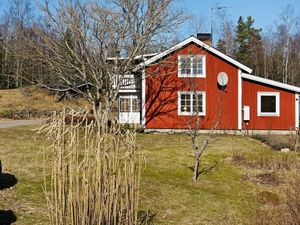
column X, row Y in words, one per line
column 248, row 42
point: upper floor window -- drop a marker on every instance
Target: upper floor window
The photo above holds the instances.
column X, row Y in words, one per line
column 268, row 103
column 191, row 66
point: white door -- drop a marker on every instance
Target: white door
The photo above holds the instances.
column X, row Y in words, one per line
column 129, row 109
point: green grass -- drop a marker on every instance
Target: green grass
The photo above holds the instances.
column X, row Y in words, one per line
column 22, row 156
column 220, row 196
column 168, row 190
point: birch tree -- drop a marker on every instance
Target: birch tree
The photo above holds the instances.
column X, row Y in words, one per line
column 226, row 43
column 285, row 28
column 16, row 20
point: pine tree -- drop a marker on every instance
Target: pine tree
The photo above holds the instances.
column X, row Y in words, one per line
column 248, row 42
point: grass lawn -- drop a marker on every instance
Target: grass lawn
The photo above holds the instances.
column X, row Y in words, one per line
column 224, row 194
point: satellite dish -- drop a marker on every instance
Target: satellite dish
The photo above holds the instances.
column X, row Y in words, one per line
column 222, row 79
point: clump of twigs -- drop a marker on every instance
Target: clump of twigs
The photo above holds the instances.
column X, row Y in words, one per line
column 95, row 174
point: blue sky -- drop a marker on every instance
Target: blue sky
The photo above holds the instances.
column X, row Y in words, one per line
column 265, row 12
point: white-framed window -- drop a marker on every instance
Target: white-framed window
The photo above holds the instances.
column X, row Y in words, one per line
column 191, row 103
column 268, row 103
column 191, row 66
column 129, row 103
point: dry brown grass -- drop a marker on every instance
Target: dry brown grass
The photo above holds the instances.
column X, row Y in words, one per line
column 277, row 181
column 33, row 98
column 286, row 209
column 95, row 172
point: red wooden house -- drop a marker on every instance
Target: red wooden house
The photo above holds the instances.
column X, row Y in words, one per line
column 193, row 79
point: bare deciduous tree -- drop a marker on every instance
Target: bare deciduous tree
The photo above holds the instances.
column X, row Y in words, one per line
column 195, row 111
column 287, row 23
column 194, row 128
column 18, row 18
column 198, row 24
column 226, row 33
column 78, row 38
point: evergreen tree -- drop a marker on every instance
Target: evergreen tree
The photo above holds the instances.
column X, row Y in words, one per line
column 249, row 44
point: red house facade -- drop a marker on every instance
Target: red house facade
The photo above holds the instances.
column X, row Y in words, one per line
column 193, row 80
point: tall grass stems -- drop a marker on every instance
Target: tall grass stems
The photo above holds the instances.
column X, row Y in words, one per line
column 95, row 175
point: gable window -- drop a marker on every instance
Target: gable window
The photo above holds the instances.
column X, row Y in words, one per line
column 268, row 104
column 191, row 103
column 191, row 66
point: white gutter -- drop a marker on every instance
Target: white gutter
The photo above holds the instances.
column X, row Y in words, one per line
column 271, row 82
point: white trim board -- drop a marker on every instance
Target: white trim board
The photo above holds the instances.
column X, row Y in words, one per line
column 192, row 39
column 217, row 131
column 136, row 57
column 271, row 82
column 143, row 100
column 240, row 92
column 297, row 111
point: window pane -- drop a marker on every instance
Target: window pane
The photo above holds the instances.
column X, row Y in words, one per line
column 185, row 65
column 135, row 104
column 268, row 104
column 124, row 104
column 197, row 65
column 200, row 104
column 197, row 103
column 185, row 103
column 200, row 65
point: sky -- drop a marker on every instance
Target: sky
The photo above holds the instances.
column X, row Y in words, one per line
column 264, row 12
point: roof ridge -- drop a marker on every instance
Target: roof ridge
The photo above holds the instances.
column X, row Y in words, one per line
column 198, row 42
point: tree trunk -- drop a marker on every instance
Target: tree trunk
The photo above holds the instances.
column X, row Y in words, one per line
column 196, row 162
column 196, row 169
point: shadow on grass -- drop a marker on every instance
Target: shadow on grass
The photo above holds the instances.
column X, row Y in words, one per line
column 7, row 180
column 146, row 217
column 205, row 170
column 7, row 217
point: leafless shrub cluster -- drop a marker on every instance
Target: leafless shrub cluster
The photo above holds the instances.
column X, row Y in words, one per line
column 266, row 160
column 95, row 175
column 287, row 212
column 277, row 142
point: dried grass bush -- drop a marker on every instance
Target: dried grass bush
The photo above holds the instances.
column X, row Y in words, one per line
column 287, row 211
column 95, row 172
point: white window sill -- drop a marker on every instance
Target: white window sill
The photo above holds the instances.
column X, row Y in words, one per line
column 269, row 114
column 192, row 75
column 190, row 114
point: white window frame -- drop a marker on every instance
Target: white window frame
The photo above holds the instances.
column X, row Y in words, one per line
column 259, row 95
column 130, row 97
column 191, row 99
column 192, row 74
